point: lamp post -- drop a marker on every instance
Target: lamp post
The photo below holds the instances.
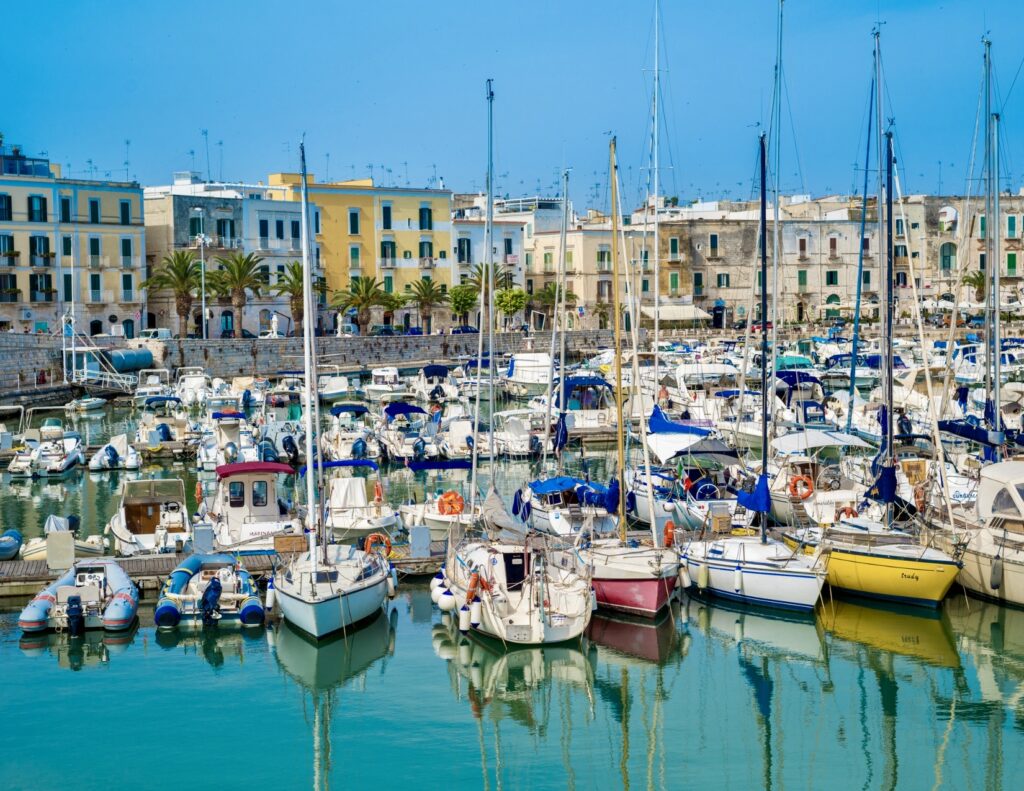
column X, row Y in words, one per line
column 202, row 263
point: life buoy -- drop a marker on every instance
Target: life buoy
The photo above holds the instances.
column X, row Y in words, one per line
column 477, row 583
column 801, row 486
column 919, row 498
column 848, row 511
column 669, row 536
column 450, row 504
column 375, row 539
column 378, row 492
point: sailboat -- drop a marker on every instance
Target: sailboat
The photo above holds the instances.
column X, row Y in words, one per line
column 755, row 569
column 329, row 587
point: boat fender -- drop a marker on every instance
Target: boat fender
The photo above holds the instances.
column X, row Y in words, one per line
column 76, row 616
column 475, row 611
column 438, row 592
column 393, row 582
column 703, row 576
column 737, row 579
column 995, row 581
column 684, row 576
column 271, row 595
column 464, row 618
column 210, row 603
column 447, row 601
column 437, row 579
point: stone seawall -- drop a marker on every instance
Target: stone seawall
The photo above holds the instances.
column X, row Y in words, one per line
column 28, row 361
column 227, row 358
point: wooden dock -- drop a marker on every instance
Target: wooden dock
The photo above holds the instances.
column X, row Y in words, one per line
column 27, row 577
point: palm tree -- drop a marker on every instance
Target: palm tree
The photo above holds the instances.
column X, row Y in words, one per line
column 976, row 280
column 289, row 284
column 549, row 296
column 479, row 278
column 236, row 275
column 426, row 295
column 364, row 294
column 179, row 273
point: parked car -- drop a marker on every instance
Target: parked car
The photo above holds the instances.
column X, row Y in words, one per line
column 414, row 331
column 382, row 331
column 229, row 334
column 976, row 322
column 347, row 330
column 739, row 325
column 756, row 326
column 464, row 329
column 155, row 334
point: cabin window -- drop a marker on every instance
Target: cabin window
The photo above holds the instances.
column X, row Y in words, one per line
column 236, row 494
column 259, row 493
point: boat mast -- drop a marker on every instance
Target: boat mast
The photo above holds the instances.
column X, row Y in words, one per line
column 994, row 229
column 559, row 309
column 617, row 322
column 657, row 236
column 312, row 508
column 889, row 300
column 776, row 235
column 763, row 157
column 489, row 259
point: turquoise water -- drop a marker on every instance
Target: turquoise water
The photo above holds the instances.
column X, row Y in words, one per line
column 856, row 697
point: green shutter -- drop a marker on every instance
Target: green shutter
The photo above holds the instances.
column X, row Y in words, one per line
column 1011, row 264
column 801, row 277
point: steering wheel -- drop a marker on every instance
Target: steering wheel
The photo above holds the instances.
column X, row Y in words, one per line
column 706, row 491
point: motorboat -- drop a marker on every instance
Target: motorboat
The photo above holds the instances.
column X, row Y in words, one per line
column 246, row 510
column 92, row 594
column 229, row 440
column 192, row 385
column 349, row 514
column 10, row 544
column 441, row 510
column 528, row 374
column 57, row 453
column 333, row 386
column 153, row 382
column 385, row 385
column 209, row 589
column 86, row 404
column 406, row 433
column 588, row 404
column 117, row 454
column 151, row 518
column 560, row 505
column 163, row 419
column 85, row 547
column 436, row 384
column 350, row 434
column 455, row 439
column 518, row 433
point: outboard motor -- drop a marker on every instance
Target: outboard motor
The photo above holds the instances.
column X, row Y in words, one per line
column 359, row 449
column 163, row 431
column 210, row 603
column 230, row 453
column 535, row 444
column 246, row 399
column 419, row 450
column 904, row 424
column 111, row 456
column 267, row 451
column 437, row 393
column 76, row 616
column 74, row 522
column 290, row 449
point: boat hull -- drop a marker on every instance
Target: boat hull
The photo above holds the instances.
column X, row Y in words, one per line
column 646, row 597
column 329, row 615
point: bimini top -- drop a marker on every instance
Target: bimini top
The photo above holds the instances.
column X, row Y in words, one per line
column 157, row 400
column 435, row 371
column 245, row 467
column 352, row 409
column 396, row 408
column 341, row 463
column 561, row 483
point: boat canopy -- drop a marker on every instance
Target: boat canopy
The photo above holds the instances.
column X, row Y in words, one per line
column 352, row 409
column 149, row 490
column 1001, row 490
column 247, row 467
column 290, row 373
column 397, row 408
column 706, row 452
column 371, row 465
column 560, row 483
column 158, row 400
column 227, row 415
column 435, row 371
column 802, row 441
column 734, row 393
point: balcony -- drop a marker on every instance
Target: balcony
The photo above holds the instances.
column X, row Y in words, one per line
column 387, row 263
column 126, row 262
column 223, row 242
column 264, row 243
column 426, row 262
column 803, row 288
column 129, row 295
column 10, row 257
column 714, row 254
column 10, row 295
column 41, row 259
column 101, row 297
column 43, row 296
column 95, row 261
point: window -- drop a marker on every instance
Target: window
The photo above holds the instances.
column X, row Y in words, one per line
column 947, row 256
column 832, row 277
column 426, row 249
column 568, row 258
column 65, row 245
column 296, row 230
column 673, row 248
column 389, row 284
column 5, row 208
column 722, row 280
column 316, row 222
column 264, row 232
column 41, row 287
column 126, row 252
column 442, row 254
column 126, row 212
column 981, row 262
column 353, row 222
column 39, row 250
column 195, row 226
column 385, row 216
column 127, row 288
column 226, row 229
column 833, row 247
column 899, row 227
column 259, row 493
column 760, row 278
column 95, row 284
column 1011, row 264
column 407, row 254
column 899, row 250
column 7, row 246
column 901, row 279
column 67, row 287
column 9, row 291
column 464, row 250
column 981, row 227
column 1011, row 226
column 426, row 218
column 94, row 210
column 645, row 285
column 236, row 494
column 865, row 245
column 673, row 281
column 354, row 255
column 279, row 229
column 508, row 248
column 529, row 286
column 548, row 260
column 94, row 251
column 713, row 244
column 604, row 258
column 529, row 260
column 802, row 244
column 801, row 277
column 865, row 278
column 65, row 209
column 698, row 283
column 36, row 208
column 388, row 251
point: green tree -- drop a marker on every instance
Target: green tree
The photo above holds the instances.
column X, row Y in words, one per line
column 510, row 301
column 363, row 295
column 549, row 297
column 463, row 300
column 976, row 280
column 479, row 278
column 180, row 274
column 237, row 275
column 289, row 284
column 426, row 295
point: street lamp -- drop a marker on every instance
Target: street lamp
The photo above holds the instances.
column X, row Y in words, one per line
column 202, row 262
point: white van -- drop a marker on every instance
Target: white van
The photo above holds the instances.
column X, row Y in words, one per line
column 156, row 334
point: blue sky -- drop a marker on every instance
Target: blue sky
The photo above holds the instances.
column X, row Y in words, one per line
column 401, row 85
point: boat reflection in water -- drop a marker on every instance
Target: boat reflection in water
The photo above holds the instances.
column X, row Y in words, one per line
column 323, row 667
column 638, row 638
column 96, row 648
column 216, row 646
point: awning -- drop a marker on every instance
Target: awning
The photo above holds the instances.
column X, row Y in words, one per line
column 677, row 313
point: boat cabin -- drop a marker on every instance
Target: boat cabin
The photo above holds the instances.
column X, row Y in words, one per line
column 148, row 505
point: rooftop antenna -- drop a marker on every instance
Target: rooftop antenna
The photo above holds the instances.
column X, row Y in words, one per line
column 220, row 162
column 91, row 168
column 405, row 165
column 433, row 179
column 206, row 142
column 370, row 166
column 327, row 167
column 127, row 158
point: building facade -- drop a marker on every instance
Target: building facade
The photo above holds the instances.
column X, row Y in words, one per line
column 68, row 245
column 215, row 220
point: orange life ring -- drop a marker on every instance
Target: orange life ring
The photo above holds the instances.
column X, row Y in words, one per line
column 848, row 511
column 374, row 539
column 669, row 537
column 802, row 491
column 450, row 504
column 378, row 492
column 477, row 583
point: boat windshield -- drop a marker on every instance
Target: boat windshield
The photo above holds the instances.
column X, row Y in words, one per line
column 1004, row 505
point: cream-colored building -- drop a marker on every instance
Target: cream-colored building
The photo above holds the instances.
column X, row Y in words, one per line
column 68, row 243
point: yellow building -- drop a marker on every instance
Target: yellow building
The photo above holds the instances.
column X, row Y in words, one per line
column 68, row 243
column 391, row 234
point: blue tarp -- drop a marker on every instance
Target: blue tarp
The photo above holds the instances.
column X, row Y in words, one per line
column 734, row 393
column 475, row 363
column 884, row 489
column 343, row 463
column 561, row 483
column 875, row 361
column 435, row 371
column 659, row 424
column 396, row 408
column 794, row 378
column 561, row 433
column 353, row 409
column 227, row 415
column 450, row 464
column 759, row 500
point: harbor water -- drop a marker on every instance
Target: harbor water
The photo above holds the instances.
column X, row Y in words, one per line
column 855, row 696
